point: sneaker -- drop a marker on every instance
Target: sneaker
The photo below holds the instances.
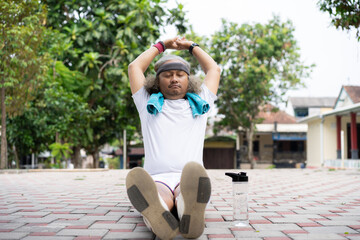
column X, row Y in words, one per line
column 144, row 196
column 195, row 191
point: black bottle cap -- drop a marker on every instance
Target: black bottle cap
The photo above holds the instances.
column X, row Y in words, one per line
column 238, row 177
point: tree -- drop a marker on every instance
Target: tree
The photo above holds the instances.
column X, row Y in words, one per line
column 23, row 65
column 259, row 64
column 203, row 43
column 344, row 14
column 57, row 109
column 106, row 36
column 60, row 152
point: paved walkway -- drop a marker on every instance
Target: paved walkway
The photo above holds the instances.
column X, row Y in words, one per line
column 284, row 204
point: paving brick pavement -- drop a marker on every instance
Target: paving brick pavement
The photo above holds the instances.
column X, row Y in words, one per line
column 283, row 204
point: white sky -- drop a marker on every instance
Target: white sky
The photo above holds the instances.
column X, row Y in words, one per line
column 336, row 53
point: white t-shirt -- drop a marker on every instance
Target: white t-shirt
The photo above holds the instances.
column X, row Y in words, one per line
column 172, row 137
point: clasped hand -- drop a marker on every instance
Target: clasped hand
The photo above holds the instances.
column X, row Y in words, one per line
column 178, row 43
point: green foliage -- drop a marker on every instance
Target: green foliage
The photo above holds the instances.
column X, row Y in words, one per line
column 101, row 39
column 22, row 64
column 113, row 163
column 271, row 167
column 60, row 152
column 57, row 108
column 203, row 42
column 344, row 14
column 86, row 99
column 259, row 64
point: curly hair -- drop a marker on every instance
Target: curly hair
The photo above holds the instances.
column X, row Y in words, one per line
column 152, row 82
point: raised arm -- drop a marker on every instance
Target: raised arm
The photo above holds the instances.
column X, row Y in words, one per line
column 208, row 65
column 138, row 67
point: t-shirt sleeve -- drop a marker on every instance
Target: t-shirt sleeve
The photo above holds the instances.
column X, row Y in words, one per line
column 207, row 95
column 141, row 98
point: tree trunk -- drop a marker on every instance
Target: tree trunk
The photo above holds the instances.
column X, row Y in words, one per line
column 124, row 150
column 250, row 136
column 238, row 154
column 16, row 156
column 57, row 138
column 3, row 162
column 76, row 157
column 95, row 155
column 62, row 160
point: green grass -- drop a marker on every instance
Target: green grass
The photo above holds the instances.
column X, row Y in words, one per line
column 80, row 178
column 271, row 167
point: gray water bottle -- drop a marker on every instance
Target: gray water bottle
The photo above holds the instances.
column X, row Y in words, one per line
column 240, row 196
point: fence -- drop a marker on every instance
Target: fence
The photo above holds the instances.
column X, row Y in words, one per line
column 346, row 163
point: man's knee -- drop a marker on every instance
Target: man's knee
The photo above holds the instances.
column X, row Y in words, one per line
column 166, row 195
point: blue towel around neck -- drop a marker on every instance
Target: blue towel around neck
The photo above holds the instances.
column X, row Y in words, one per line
column 198, row 105
column 155, row 103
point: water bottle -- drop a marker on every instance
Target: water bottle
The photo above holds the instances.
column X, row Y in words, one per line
column 240, row 195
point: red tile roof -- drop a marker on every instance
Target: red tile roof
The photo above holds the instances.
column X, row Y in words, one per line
column 279, row 116
column 353, row 92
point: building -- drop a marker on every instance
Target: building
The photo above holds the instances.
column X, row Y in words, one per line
column 333, row 135
column 278, row 140
column 308, row 106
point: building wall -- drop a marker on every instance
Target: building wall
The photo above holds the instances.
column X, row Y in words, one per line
column 266, row 148
column 330, row 144
column 330, row 137
column 289, row 109
column 314, row 111
column 317, row 111
column 219, row 154
column 314, row 141
column 344, row 121
column 313, row 144
column 219, row 144
column 324, row 110
column 343, row 100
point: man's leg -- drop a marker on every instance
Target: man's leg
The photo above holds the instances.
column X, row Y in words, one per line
column 166, row 194
column 191, row 199
column 144, row 196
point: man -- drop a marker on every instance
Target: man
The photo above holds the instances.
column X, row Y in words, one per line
column 173, row 109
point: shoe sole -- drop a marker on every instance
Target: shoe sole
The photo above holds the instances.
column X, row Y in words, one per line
column 195, row 187
column 143, row 195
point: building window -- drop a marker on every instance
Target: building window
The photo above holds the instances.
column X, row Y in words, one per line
column 256, row 145
column 290, row 146
column 301, row 112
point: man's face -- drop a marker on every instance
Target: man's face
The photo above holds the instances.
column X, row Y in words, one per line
column 173, row 84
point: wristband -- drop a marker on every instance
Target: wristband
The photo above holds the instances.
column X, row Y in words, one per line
column 162, row 43
column 192, row 47
column 160, row 46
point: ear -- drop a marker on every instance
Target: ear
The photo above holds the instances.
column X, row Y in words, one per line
column 157, row 82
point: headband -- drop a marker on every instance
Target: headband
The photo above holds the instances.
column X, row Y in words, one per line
column 173, row 66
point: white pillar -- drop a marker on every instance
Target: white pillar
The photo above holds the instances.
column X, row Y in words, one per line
column 342, row 149
column 32, row 161
column 237, row 152
column 237, row 142
column 322, row 141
